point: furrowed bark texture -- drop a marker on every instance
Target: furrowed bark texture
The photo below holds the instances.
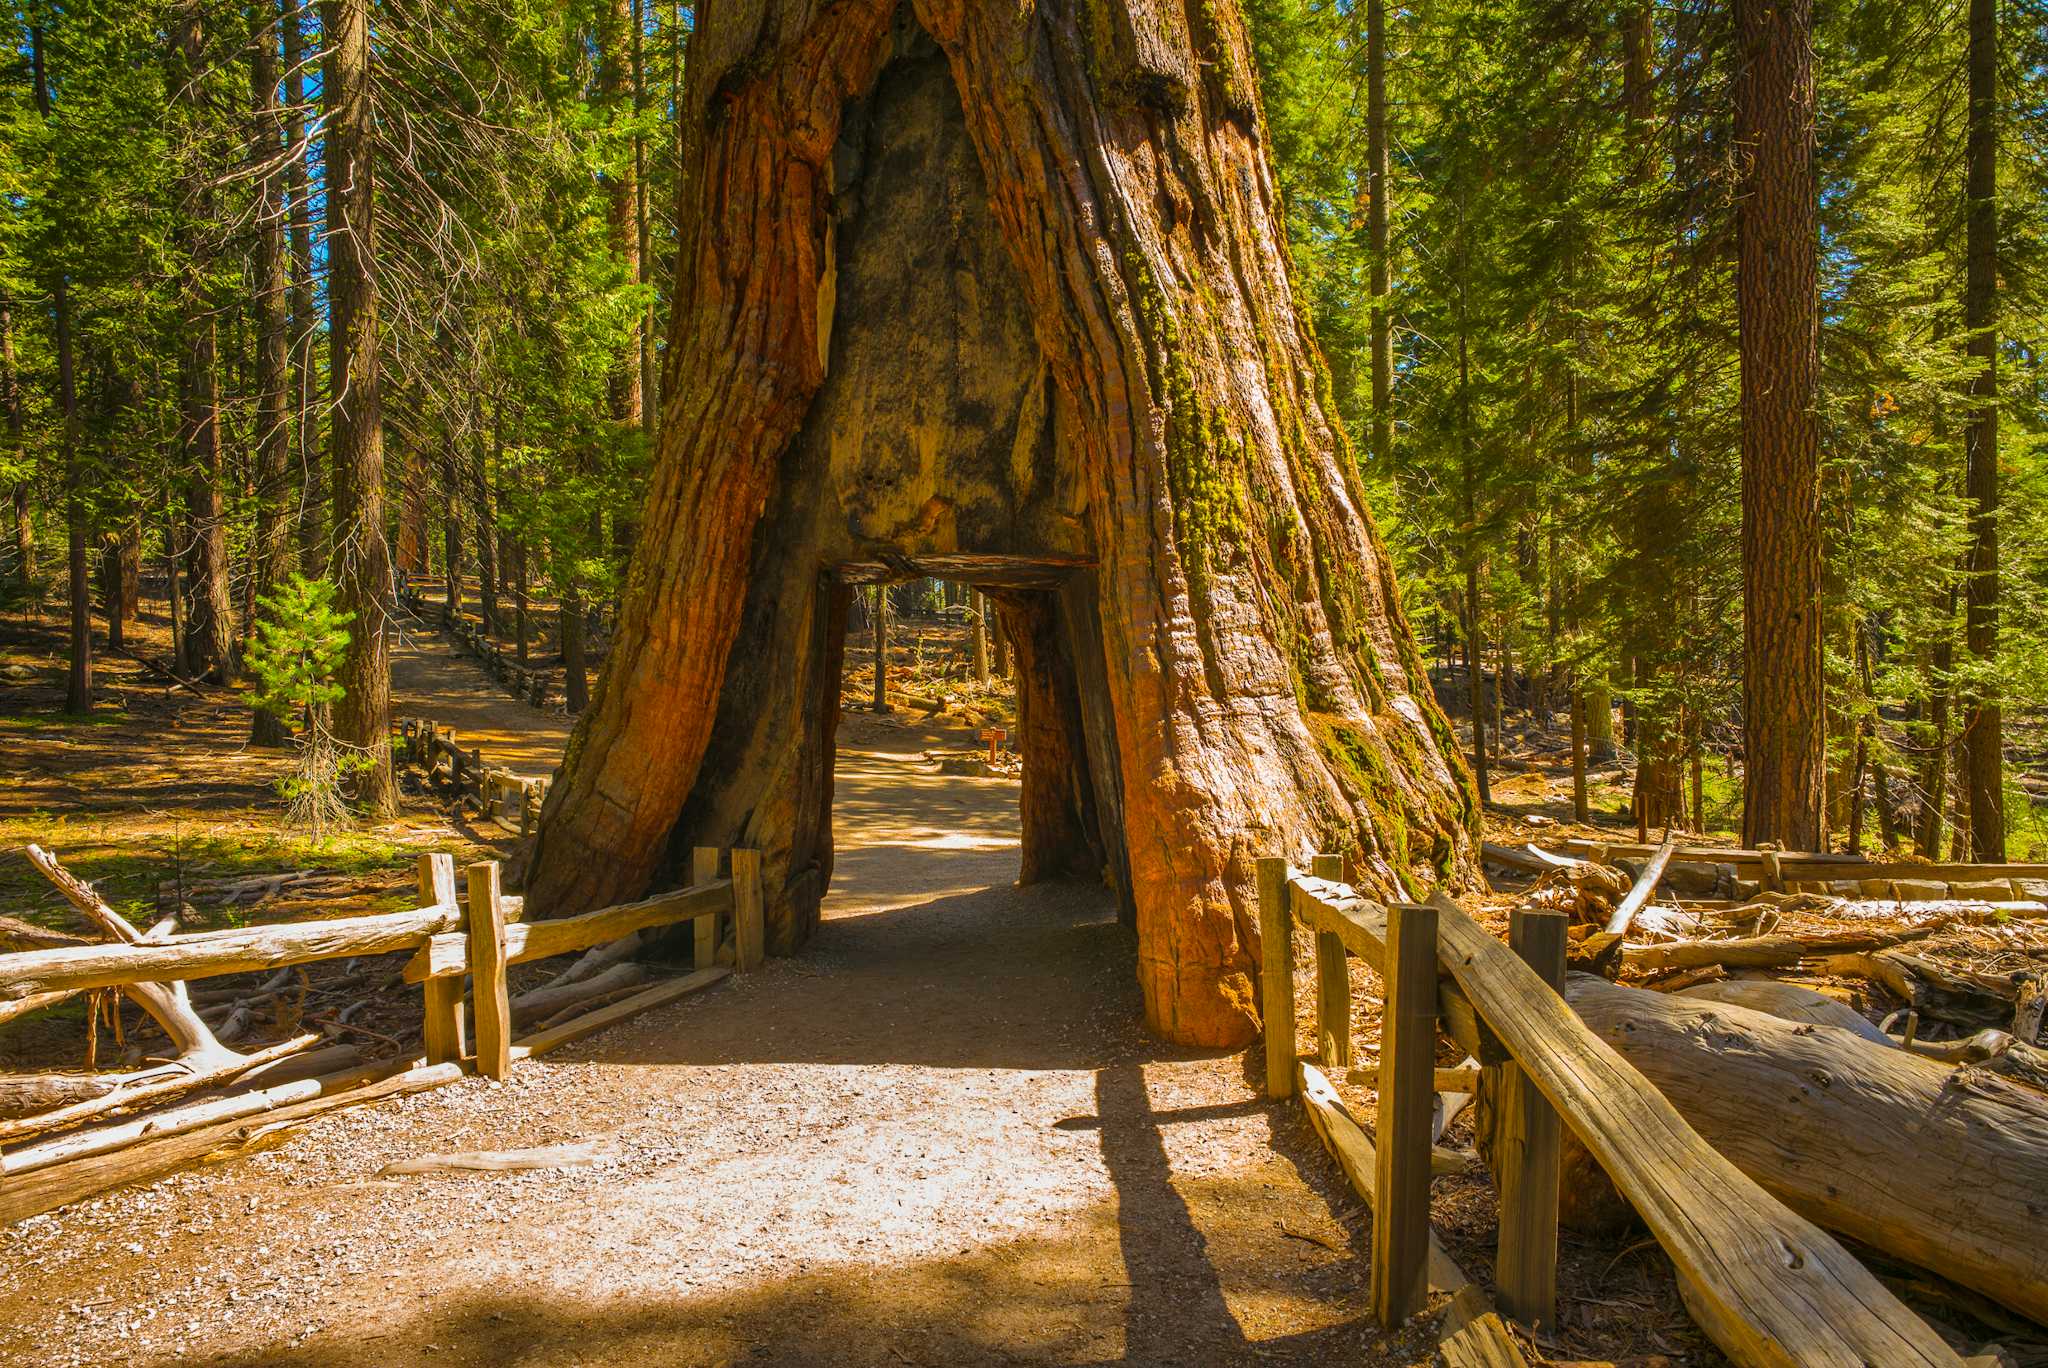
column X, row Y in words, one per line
column 1983, row 728
column 362, row 717
column 956, row 279
column 273, row 551
column 1783, row 727
column 210, row 637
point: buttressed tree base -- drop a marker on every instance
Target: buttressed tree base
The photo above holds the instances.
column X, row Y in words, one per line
column 999, row 293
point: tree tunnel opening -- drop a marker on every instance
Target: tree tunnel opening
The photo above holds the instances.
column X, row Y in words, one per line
column 977, row 293
column 1037, row 620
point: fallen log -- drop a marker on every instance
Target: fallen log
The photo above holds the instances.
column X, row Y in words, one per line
column 1927, row 988
column 160, row 1089
column 1769, row 1287
column 1998, row 1051
column 166, row 1003
column 1645, row 885
column 1766, row 1285
column 549, row 1000
column 1767, row 952
column 46, row 1189
column 34, row 1002
column 1946, row 1169
column 1787, row 1002
column 581, row 1154
column 26, row 1094
column 16, row 934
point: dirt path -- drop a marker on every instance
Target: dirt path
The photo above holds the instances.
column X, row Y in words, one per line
column 429, row 680
column 938, row 1136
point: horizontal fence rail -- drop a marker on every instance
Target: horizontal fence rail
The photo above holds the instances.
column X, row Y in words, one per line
column 1769, row 1286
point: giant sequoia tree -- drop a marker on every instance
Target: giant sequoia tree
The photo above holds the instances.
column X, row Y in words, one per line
column 999, row 294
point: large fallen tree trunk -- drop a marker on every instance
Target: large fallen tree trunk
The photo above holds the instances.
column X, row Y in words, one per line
column 1943, row 1167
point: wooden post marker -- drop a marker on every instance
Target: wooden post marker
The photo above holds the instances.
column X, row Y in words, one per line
column 994, row 736
column 1527, row 1144
column 704, row 869
column 1400, row 1227
column 750, row 946
column 1333, row 982
column 1276, row 988
column 487, row 972
column 441, row 1023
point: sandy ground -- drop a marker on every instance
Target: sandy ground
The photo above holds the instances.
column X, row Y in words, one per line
column 937, row 1136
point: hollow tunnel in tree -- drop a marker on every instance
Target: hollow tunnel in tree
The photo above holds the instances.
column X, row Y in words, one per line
column 999, row 296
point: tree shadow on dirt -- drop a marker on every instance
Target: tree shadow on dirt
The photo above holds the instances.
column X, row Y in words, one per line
column 1034, row 1300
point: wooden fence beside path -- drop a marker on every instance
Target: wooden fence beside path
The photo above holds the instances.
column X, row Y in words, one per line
column 1768, row 1286
column 523, row 680
column 511, row 800
column 453, row 939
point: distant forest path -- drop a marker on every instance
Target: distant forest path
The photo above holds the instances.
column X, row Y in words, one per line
column 429, row 680
column 938, row 1136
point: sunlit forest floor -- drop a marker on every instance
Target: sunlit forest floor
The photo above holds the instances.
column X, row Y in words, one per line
column 159, row 801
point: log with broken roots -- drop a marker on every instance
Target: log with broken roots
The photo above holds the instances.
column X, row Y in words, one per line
column 1945, row 1168
column 167, row 1003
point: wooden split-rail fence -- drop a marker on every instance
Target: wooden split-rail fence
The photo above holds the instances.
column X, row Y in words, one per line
column 462, row 933
column 1769, row 1286
column 512, row 800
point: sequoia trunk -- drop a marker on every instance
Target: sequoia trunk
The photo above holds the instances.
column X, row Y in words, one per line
column 1105, row 394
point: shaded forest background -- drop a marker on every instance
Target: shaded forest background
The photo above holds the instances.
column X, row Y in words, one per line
column 324, row 289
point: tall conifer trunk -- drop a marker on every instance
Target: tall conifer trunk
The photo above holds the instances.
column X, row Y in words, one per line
column 23, row 525
column 311, row 510
column 78, row 680
column 1783, row 722
column 1983, row 730
column 362, row 558
column 273, row 551
column 210, row 635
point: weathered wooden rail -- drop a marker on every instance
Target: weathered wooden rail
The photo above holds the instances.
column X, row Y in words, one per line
column 1767, row 1285
column 512, row 800
column 454, row 940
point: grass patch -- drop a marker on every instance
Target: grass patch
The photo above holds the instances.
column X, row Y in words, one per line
column 128, row 869
column 38, row 723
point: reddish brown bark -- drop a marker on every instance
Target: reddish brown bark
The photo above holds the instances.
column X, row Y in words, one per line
column 1784, row 734
column 362, row 559
column 274, row 485
column 1059, row 831
column 1248, row 681
column 1983, row 728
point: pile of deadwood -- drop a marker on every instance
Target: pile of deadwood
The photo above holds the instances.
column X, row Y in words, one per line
column 1869, row 1049
column 216, row 1066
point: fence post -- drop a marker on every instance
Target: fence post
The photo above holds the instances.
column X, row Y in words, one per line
column 1276, row 988
column 1527, row 1145
column 749, row 931
column 703, row 870
column 487, row 972
column 1407, row 1084
column 441, row 1019
column 1333, row 981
